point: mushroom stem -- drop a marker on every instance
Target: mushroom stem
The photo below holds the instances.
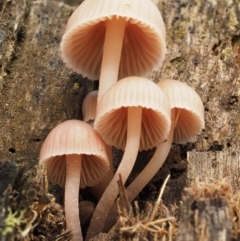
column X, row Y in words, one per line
column 71, row 204
column 146, row 174
column 101, row 186
column 112, row 49
column 153, row 165
column 125, row 168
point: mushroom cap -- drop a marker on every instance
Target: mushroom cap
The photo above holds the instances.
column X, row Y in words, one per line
column 89, row 106
column 189, row 110
column 111, row 119
column 143, row 47
column 74, row 137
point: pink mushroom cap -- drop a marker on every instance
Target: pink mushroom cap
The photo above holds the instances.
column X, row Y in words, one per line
column 143, row 46
column 74, row 137
column 189, row 110
column 111, row 119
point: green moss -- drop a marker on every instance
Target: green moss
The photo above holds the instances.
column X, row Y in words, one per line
column 12, row 222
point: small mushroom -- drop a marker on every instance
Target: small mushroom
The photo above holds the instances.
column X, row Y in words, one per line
column 133, row 114
column 89, row 107
column 187, row 122
column 75, row 156
column 114, row 39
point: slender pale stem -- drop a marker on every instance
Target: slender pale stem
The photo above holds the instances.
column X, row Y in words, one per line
column 71, row 204
column 153, row 165
column 112, row 49
column 125, row 167
column 147, row 173
column 101, row 186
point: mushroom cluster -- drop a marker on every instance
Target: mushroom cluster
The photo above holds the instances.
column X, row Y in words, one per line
column 118, row 42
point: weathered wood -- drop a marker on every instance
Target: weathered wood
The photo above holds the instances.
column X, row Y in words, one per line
column 205, row 213
column 203, row 40
column 37, row 91
column 203, row 50
column 9, row 30
column 217, row 165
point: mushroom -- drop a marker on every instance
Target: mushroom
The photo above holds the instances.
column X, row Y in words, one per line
column 74, row 151
column 187, row 122
column 89, row 107
column 133, row 115
column 114, row 39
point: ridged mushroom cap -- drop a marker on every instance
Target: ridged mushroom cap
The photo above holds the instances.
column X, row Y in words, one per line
column 111, row 119
column 189, row 110
column 89, row 106
column 144, row 44
column 74, row 137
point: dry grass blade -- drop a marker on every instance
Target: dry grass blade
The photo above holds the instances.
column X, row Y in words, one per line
column 143, row 226
column 159, row 199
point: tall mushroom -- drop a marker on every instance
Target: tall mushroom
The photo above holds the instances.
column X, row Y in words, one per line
column 133, row 115
column 74, row 151
column 187, row 122
column 114, row 39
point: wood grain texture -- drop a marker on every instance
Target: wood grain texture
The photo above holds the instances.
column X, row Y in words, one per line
column 206, row 166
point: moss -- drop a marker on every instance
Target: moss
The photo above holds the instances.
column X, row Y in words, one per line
column 12, row 222
column 27, row 210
